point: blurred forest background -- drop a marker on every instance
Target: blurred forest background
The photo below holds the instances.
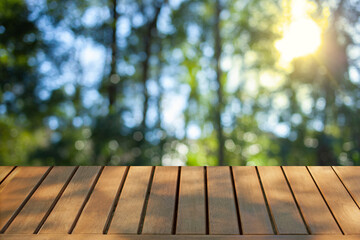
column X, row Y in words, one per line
column 179, row 82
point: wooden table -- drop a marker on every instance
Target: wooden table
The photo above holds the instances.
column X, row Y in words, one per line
column 248, row 203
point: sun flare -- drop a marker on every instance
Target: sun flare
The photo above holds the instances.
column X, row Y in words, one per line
column 302, row 36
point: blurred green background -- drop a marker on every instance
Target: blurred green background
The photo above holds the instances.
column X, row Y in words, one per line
column 179, row 82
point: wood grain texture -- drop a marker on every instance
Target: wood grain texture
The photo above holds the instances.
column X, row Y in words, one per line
column 97, row 209
column 191, row 211
column 28, row 194
column 4, row 171
column 350, row 176
column 221, row 202
column 342, row 205
column 16, row 188
column 174, row 237
column 64, row 213
column 128, row 212
column 253, row 211
column 311, row 202
column 160, row 210
column 38, row 205
column 281, row 202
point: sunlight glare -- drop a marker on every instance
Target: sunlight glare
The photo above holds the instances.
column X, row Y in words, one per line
column 302, row 36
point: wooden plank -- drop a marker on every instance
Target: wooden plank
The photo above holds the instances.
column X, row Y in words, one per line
column 350, row 176
column 340, row 202
column 38, row 205
column 64, row 213
column 4, row 171
column 96, row 212
column 174, row 237
column 127, row 215
column 8, row 180
column 160, row 211
column 281, row 202
column 309, row 199
column 316, row 214
column 16, row 188
column 221, row 202
column 191, row 208
column 253, row 211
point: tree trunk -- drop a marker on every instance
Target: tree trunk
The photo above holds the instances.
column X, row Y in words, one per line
column 114, row 78
column 147, row 43
column 158, row 103
column 336, row 69
column 219, row 106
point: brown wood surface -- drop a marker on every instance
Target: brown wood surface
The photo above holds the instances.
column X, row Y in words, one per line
column 127, row 215
column 4, row 171
column 215, row 203
column 281, row 202
column 174, row 237
column 65, row 211
column 160, row 210
column 222, row 209
column 16, row 188
column 253, row 212
column 39, row 204
column 342, row 205
column 311, row 202
column 191, row 217
column 97, row 210
column 350, row 176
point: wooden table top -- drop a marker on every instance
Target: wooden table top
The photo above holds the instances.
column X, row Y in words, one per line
column 248, row 203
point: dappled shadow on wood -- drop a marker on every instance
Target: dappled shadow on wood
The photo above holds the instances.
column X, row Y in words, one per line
column 174, row 200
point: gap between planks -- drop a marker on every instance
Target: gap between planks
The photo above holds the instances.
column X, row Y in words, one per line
column 296, row 202
column 327, row 204
column 173, row 237
column 271, row 216
column 115, row 203
column 4, row 176
column 55, row 201
column 176, row 202
column 21, row 206
column 146, row 201
column 351, row 195
column 236, row 200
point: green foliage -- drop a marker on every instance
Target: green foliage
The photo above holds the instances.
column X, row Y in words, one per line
column 54, row 108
